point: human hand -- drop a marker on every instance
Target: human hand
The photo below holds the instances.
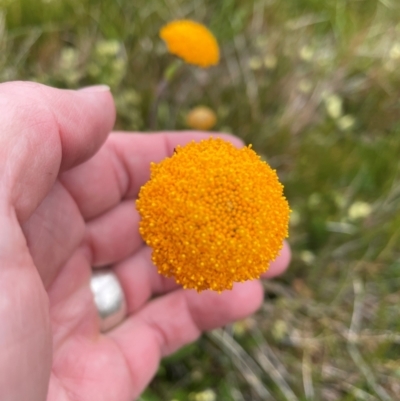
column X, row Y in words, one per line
column 67, row 193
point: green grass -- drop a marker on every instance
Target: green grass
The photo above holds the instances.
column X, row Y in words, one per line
column 314, row 86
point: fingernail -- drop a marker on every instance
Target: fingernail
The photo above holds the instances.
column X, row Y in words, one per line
column 95, row 88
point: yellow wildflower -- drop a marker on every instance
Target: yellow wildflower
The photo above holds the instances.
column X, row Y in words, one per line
column 201, row 117
column 213, row 214
column 191, row 41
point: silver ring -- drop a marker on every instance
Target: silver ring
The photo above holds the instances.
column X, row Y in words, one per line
column 109, row 298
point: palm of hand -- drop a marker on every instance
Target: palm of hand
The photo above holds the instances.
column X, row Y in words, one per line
column 75, row 220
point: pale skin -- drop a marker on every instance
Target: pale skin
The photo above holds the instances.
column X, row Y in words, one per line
column 67, row 191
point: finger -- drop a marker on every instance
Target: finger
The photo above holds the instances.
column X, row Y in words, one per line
column 172, row 321
column 141, row 281
column 44, row 130
column 281, row 263
column 114, row 235
column 122, row 166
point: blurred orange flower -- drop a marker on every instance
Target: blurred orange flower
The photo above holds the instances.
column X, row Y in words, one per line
column 201, row 117
column 192, row 42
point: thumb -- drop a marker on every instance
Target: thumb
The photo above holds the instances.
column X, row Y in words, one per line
column 44, row 130
column 25, row 332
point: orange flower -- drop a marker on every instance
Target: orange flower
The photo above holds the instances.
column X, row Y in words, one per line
column 201, row 117
column 213, row 214
column 192, row 42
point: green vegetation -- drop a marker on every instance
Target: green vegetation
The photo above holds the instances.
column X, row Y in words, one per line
column 314, row 86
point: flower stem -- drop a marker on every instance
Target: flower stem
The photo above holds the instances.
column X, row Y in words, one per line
column 162, row 86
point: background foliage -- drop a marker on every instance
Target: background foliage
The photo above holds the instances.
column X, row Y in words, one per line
column 314, row 86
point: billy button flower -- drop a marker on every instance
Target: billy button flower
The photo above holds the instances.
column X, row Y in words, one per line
column 213, row 214
column 192, row 42
column 201, row 118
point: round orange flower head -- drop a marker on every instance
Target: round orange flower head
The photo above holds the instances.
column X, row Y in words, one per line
column 192, row 42
column 201, row 118
column 213, row 214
